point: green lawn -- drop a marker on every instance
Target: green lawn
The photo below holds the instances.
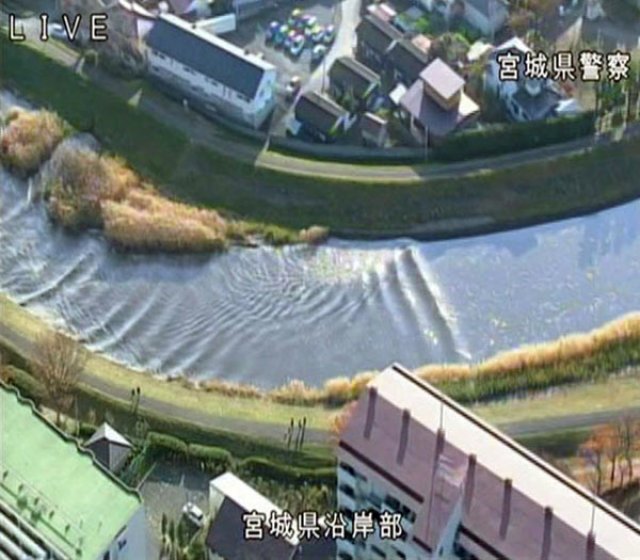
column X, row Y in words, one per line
column 613, row 394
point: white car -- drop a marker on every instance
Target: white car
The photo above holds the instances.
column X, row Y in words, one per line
column 57, row 31
column 194, row 514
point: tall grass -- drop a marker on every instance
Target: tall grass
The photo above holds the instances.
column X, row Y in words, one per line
column 86, row 189
column 571, row 359
column 29, row 138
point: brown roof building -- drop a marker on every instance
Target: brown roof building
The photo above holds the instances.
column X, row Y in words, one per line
column 463, row 488
column 436, row 105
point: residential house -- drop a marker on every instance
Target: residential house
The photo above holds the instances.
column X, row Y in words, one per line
column 405, row 62
column 56, row 502
column 463, row 489
column 110, row 448
column 320, row 118
column 352, row 84
column 191, row 10
column 487, row 16
column 200, row 65
column 382, row 11
column 375, row 39
column 230, row 499
column 374, row 130
column 436, row 104
column 524, row 99
column 128, row 23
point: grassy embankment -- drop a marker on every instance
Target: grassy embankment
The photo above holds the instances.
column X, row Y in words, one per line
column 612, row 349
column 494, row 199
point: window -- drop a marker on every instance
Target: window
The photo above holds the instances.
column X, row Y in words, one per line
column 348, row 468
column 347, row 490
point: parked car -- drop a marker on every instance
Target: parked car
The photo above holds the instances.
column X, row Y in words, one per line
column 329, row 34
column 57, row 31
column 290, row 38
column 317, row 34
column 293, row 87
column 281, row 35
column 297, row 46
column 272, row 30
column 317, row 54
column 309, row 21
column 194, row 514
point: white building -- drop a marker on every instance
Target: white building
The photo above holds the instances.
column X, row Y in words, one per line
column 56, row 501
column 222, row 76
column 524, row 99
column 463, row 489
column 229, row 499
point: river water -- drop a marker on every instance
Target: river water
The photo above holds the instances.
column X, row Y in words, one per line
column 269, row 315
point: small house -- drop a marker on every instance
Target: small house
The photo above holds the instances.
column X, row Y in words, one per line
column 374, row 130
column 436, row 104
column 524, row 99
column 109, row 447
column 375, row 39
column 405, row 61
column 352, row 84
column 321, row 118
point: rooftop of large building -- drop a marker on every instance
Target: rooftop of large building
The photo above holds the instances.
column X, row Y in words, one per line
column 208, row 54
column 55, row 487
column 435, row 454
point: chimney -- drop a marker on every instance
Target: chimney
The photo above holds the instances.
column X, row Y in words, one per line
column 591, row 546
column 506, row 507
column 371, row 411
column 546, row 536
column 404, row 436
column 470, row 481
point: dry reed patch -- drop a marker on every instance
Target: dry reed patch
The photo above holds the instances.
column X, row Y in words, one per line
column 29, row 139
column 144, row 220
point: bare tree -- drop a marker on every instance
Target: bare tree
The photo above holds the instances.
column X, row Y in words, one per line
column 628, row 430
column 594, row 454
column 58, row 362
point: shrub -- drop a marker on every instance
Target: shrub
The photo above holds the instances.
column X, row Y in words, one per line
column 260, row 467
column 501, row 139
column 213, row 459
column 314, row 235
column 29, row 139
column 165, row 446
column 296, row 392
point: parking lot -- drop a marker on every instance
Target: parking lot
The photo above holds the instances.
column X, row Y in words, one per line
column 252, row 35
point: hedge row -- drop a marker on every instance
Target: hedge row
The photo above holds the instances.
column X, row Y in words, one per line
column 501, row 139
column 220, row 460
column 263, row 468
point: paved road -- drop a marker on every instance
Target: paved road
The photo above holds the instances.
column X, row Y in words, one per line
column 24, row 347
column 215, row 137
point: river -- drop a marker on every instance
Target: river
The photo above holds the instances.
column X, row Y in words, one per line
column 268, row 315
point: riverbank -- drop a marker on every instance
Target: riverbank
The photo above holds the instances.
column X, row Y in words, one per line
column 429, row 202
column 567, row 407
